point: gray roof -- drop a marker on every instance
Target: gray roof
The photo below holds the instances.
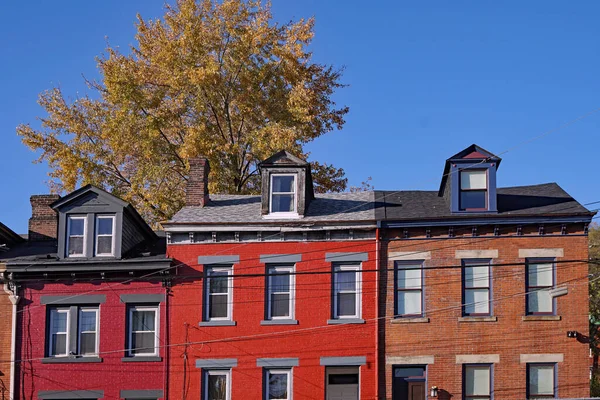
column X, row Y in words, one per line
column 246, row 209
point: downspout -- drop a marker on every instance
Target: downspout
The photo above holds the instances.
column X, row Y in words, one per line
column 14, row 299
column 377, row 321
column 167, row 343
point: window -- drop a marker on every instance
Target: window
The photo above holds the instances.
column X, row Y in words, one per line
column 218, row 293
column 477, row 381
column 541, row 381
column 217, row 385
column 346, row 291
column 280, row 284
column 283, row 194
column 68, row 322
column 143, row 332
column 473, row 189
column 409, row 289
column 540, row 279
column 105, row 226
column 476, row 287
column 278, row 384
column 76, row 230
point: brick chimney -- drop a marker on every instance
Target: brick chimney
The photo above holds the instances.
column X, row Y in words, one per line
column 196, row 192
column 43, row 224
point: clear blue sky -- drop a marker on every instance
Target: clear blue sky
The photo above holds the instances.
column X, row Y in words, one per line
column 426, row 80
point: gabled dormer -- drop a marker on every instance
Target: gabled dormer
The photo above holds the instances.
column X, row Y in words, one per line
column 93, row 223
column 469, row 181
column 287, row 187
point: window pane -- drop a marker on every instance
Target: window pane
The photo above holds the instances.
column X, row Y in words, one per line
column 343, row 379
column 76, row 226
column 87, row 320
column 283, row 203
column 473, row 199
column 476, row 301
column 104, row 245
column 346, row 304
column 541, row 379
column 105, row 226
column 477, row 276
column 88, row 343
column 143, row 343
column 76, row 245
column 409, row 278
column 540, row 274
column 278, row 386
column 283, row 184
column 219, row 281
column 280, row 283
column 217, row 387
column 540, row 301
column 477, row 381
column 59, row 344
column 280, row 306
column 473, row 179
column 345, row 280
column 59, row 321
column 143, row 320
column 409, row 303
column 218, row 306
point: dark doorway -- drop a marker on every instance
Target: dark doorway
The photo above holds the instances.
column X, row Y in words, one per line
column 408, row 383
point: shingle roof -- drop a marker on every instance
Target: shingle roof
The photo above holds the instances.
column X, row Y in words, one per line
column 241, row 209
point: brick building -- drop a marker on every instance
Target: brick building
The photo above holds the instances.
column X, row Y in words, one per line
column 275, row 295
column 92, row 312
column 467, row 299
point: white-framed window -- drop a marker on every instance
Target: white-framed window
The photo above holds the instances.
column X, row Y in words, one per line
column 76, row 235
column 283, row 196
column 346, row 291
column 540, row 279
column 476, row 287
column 409, row 289
column 58, row 338
column 217, row 384
column 280, row 287
column 541, row 381
column 218, row 302
column 477, row 381
column 278, row 384
column 105, row 235
column 88, row 331
column 473, row 189
column 143, row 331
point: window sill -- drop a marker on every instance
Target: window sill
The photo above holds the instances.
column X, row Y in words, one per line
column 279, row 322
column 67, row 360
column 217, row 323
column 345, row 321
column 141, row 359
column 282, row 216
column 478, row 319
column 409, row 320
column 541, row 318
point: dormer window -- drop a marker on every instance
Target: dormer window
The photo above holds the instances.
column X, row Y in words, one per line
column 473, row 189
column 105, row 227
column 283, row 194
column 76, row 230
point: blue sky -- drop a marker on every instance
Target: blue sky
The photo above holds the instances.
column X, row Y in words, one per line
column 426, row 79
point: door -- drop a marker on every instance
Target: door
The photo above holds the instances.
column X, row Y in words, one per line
column 408, row 383
column 416, row 390
column 342, row 383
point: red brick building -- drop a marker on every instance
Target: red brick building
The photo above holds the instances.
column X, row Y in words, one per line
column 471, row 289
column 276, row 295
column 93, row 303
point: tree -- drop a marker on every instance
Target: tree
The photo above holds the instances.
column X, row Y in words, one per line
column 594, row 270
column 218, row 79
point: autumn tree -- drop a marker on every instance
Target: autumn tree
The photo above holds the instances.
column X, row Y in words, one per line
column 219, row 79
column 594, row 287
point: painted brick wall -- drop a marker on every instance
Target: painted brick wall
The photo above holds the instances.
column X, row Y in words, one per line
column 311, row 339
column 5, row 343
column 445, row 337
column 112, row 374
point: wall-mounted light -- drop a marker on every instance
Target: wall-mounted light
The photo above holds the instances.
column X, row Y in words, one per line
column 558, row 291
column 572, row 334
column 433, row 392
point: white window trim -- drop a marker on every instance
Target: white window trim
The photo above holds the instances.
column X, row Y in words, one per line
column 97, row 331
column 292, row 292
column 130, row 352
column 357, row 291
column 289, row 214
column 96, row 235
column 85, row 232
column 207, row 300
column 67, row 335
column 288, row 372
column 222, row 372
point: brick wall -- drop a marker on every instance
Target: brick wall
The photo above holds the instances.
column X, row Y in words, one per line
column 444, row 336
column 43, row 224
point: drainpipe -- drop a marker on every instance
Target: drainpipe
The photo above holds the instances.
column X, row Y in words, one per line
column 14, row 299
column 377, row 321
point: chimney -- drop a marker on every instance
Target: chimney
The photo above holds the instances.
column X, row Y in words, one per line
column 196, row 192
column 43, row 224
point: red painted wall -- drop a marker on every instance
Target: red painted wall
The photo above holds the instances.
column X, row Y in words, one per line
column 311, row 339
column 112, row 374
